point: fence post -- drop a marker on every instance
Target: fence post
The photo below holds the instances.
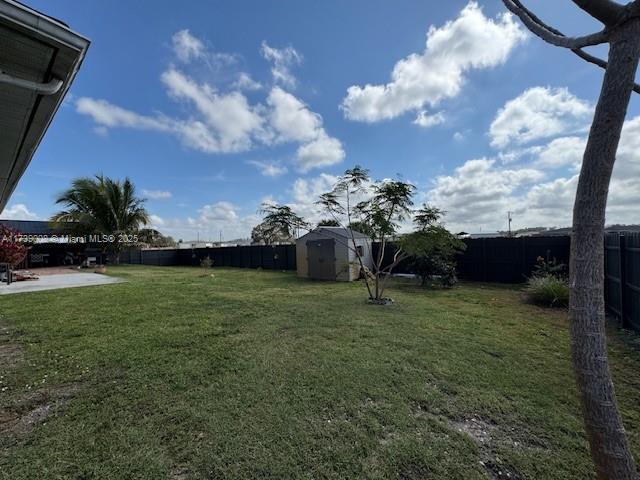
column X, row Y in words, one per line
column 524, row 272
column 623, row 281
column 484, row 260
column 286, row 257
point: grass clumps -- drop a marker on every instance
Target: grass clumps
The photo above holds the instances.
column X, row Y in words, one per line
column 548, row 286
column 548, row 291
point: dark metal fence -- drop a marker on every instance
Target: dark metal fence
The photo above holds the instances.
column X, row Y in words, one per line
column 622, row 277
column 507, row 260
column 268, row 257
column 150, row 257
column 499, row 259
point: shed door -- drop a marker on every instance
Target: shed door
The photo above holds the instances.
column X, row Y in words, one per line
column 322, row 259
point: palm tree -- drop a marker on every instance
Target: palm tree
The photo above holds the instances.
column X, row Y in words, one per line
column 103, row 206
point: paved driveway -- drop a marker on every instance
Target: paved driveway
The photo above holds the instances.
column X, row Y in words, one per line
column 56, row 281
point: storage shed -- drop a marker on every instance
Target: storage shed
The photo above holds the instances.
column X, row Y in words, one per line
column 327, row 253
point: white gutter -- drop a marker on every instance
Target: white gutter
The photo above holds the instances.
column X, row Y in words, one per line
column 48, row 30
column 50, row 88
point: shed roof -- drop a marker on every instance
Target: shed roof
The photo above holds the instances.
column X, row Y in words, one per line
column 39, row 57
column 334, row 232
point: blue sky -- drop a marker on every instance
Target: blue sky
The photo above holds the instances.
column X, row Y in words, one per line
column 215, row 107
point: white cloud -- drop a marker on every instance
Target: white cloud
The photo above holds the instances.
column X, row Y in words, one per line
column 282, row 60
column 479, row 193
column 305, row 193
column 471, row 41
column 226, row 122
column 210, row 135
column 269, row 169
column 537, row 113
column 324, row 151
column 219, row 212
column 291, row 118
column 458, row 136
column 628, row 158
column 18, row 211
column 562, row 152
column 548, row 204
column 231, row 120
column 157, row 194
column 211, row 220
column 245, row 82
column 293, row 121
column 156, row 222
column 187, row 47
column 108, row 115
column 427, row 121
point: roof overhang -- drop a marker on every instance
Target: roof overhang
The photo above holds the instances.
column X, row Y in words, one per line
column 39, row 58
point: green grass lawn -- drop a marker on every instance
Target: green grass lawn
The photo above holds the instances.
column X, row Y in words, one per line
column 190, row 373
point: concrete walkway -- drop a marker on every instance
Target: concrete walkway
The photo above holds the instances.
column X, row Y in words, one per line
column 54, row 282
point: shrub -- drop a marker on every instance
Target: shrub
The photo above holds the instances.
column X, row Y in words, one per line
column 548, row 291
column 548, row 267
column 12, row 251
column 206, row 262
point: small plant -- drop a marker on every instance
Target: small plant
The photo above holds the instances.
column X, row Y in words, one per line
column 548, row 291
column 549, row 267
column 206, row 262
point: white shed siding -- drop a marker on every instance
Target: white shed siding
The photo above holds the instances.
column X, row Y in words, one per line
column 347, row 265
column 367, row 258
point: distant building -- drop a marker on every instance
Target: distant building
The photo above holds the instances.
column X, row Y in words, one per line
column 486, row 235
column 195, row 244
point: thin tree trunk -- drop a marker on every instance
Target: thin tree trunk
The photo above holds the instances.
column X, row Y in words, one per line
column 608, row 442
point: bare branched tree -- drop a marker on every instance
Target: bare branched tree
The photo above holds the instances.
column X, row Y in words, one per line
column 607, row 439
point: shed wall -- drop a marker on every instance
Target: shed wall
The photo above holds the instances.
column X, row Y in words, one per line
column 347, row 267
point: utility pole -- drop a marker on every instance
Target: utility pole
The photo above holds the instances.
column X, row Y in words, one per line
column 220, row 237
column 509, row 218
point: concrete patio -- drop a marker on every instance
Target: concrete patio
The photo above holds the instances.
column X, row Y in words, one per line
column 58, row 281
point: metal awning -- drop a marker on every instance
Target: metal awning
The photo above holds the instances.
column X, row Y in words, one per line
column 39, row 58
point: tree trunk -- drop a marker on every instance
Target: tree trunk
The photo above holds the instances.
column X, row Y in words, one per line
column 605, row 432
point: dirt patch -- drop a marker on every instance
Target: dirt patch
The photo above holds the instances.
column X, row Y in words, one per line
column 21, row 417
column 179, row 473
column 482, row 432
column 11, row 353
column 478, row 429
column 498, row 471
column 413, row 472
column 24, row 414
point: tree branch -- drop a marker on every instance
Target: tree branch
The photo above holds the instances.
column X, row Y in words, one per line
column 579, row 52
column 548, row 35
column 599, row 62
column 605, row 11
